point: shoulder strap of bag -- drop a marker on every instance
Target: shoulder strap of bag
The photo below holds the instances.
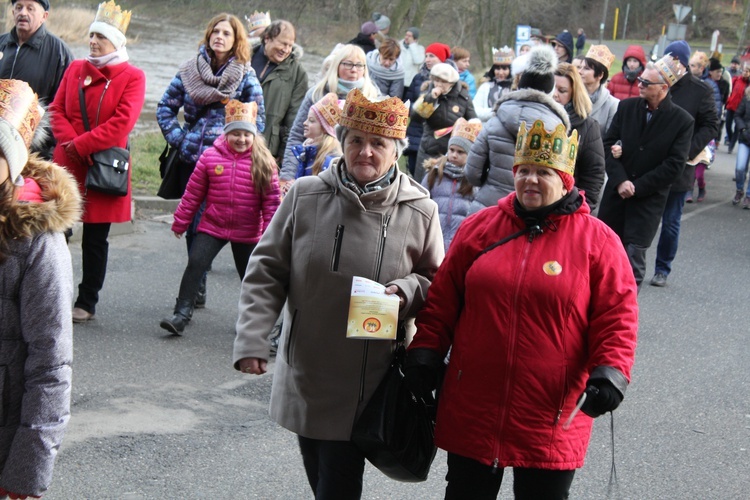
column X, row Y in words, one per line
column 84, row 114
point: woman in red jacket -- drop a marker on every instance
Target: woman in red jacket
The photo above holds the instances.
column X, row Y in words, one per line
column 114, row 92
column 537, row 302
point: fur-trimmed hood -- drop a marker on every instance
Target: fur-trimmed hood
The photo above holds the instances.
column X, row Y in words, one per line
column 61, row 207
column 531, row 95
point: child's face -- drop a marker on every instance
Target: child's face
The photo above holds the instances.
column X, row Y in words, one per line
column 240, row 140
column 313, row 128
column 457, row 155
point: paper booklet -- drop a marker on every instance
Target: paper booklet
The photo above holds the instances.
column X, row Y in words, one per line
column 372, row 313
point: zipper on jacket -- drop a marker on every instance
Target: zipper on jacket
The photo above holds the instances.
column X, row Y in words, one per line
column 378, row 267
column 15, row 58
column 337, row 239
column 494, row 465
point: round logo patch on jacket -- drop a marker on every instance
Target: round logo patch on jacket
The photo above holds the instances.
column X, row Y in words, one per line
column 219, row 169
column 552, row 268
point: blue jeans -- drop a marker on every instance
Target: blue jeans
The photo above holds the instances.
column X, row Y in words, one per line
column 740, row 168
column 670, row 232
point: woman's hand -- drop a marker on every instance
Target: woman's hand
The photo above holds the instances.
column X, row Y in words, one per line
column 616, row 150
column 255, row 366
column 390, row 290
column 285, row 186
column 177, row 235
column 72, row 153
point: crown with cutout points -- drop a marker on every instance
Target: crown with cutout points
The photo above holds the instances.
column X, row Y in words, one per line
column 537, row 146
column 111, row 13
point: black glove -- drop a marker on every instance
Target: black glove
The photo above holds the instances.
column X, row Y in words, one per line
column 601, row 397
column 420, row 372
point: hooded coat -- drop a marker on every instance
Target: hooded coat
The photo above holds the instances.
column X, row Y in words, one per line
column 322, row 235
column 495, row 146
column 36, row 290
column 527, row 324
column 619, row 86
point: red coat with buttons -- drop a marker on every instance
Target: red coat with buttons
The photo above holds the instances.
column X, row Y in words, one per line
column 116, row 95
column 527, row 323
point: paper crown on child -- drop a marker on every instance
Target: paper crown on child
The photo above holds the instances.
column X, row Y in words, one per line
column 257, row 22
column 112, row 15
column 465, row 132
column 503, row 56
column 601, row 54
column 386, row 118
column 668, row 69
column 240, row 116
column 20, row 115
column 537, row 146
column 328, row 112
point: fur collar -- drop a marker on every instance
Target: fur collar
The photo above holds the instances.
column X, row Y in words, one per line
column 536, row 96
column 61, row 207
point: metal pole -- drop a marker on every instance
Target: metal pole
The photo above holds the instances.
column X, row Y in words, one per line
column 625, row 23
column 604, row 20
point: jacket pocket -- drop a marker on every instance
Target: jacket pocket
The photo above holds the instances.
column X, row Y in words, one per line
column 289, row 347
column 336, row 254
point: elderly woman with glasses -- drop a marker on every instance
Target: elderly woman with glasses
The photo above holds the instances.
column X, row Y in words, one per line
column 343, row 70
column 445, row 100
column 360, row 217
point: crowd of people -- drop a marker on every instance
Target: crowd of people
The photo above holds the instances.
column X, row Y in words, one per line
column 513, row 237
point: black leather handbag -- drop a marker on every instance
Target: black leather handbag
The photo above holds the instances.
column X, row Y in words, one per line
column 108, row 172
column 396, row 430
column 169, row 169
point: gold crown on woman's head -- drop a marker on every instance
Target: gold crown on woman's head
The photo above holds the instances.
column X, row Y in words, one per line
column 386, row 118
column 112, row 14
column 553, row 149
column 503, row 57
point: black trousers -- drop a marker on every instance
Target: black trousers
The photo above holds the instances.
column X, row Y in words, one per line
column 334, row 468
column 472, row 480
column 94, row 252
column 203, row 251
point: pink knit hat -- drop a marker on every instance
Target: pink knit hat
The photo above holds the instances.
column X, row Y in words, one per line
column 328, row 112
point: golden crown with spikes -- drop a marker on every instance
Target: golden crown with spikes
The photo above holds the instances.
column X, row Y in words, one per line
column 553, row 149
column 112, row 14
column 258, row 20
column 503, row 56
column 602, row 55
column 668, row 69
column 236, row 111
column 387, row 118
column 19, row 106
column 468, row 129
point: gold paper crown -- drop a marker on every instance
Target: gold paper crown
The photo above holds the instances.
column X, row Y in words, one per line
column 469, row 130
column 668, row 69
column 548, row 149
column 328, row 109
column 601, row 54
column 236, row 111
column 19, row 107
column 258, row 20
column 503, row 56
column 384, row 118
column 112, row 14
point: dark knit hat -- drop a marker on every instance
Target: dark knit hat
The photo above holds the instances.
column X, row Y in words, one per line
column 681, row 50
column 368, row 28
column 43, row 3
column 566, row 40
column 414, row 32
column 539, row 73
column 736, row 60
column 439, row 50
column 714, row 64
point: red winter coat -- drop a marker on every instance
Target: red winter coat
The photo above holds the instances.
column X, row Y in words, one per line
column 528, row 322
column 739, row 84
column 619, row 86
column 120, row 108
column 235, row 211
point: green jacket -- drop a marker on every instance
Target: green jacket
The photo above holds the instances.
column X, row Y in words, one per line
column 283, row 91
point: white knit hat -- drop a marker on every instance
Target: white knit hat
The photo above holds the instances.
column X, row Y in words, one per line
column 109, row 32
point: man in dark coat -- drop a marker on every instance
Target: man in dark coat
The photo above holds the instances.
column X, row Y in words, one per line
column 30, row 53
column 580, row 41
column 645, row 148
column 695, row 97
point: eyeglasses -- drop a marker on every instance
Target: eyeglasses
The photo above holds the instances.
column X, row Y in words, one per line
column 645, row 83
column 351, row 65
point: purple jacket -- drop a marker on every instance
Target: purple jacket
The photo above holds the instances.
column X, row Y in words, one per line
column 235, row 211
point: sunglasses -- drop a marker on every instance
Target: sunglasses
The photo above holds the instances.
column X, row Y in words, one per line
column 645, row 83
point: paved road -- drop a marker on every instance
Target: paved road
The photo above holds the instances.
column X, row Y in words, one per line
column 156, row 416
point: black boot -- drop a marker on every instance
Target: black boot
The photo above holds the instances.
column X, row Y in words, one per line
column 200, row 297
column 183, row 311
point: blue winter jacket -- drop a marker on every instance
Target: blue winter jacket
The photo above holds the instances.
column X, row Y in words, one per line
column 203, row 124
column 306, row 157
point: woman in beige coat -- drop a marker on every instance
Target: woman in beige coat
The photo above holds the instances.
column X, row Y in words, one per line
column 361, row 217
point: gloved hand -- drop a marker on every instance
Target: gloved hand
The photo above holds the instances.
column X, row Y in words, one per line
column 601, row 397
column 420, row 372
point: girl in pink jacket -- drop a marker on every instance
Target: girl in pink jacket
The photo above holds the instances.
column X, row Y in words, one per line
column 237, row 178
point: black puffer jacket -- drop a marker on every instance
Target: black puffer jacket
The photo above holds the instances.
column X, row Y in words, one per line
column 742, row 120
